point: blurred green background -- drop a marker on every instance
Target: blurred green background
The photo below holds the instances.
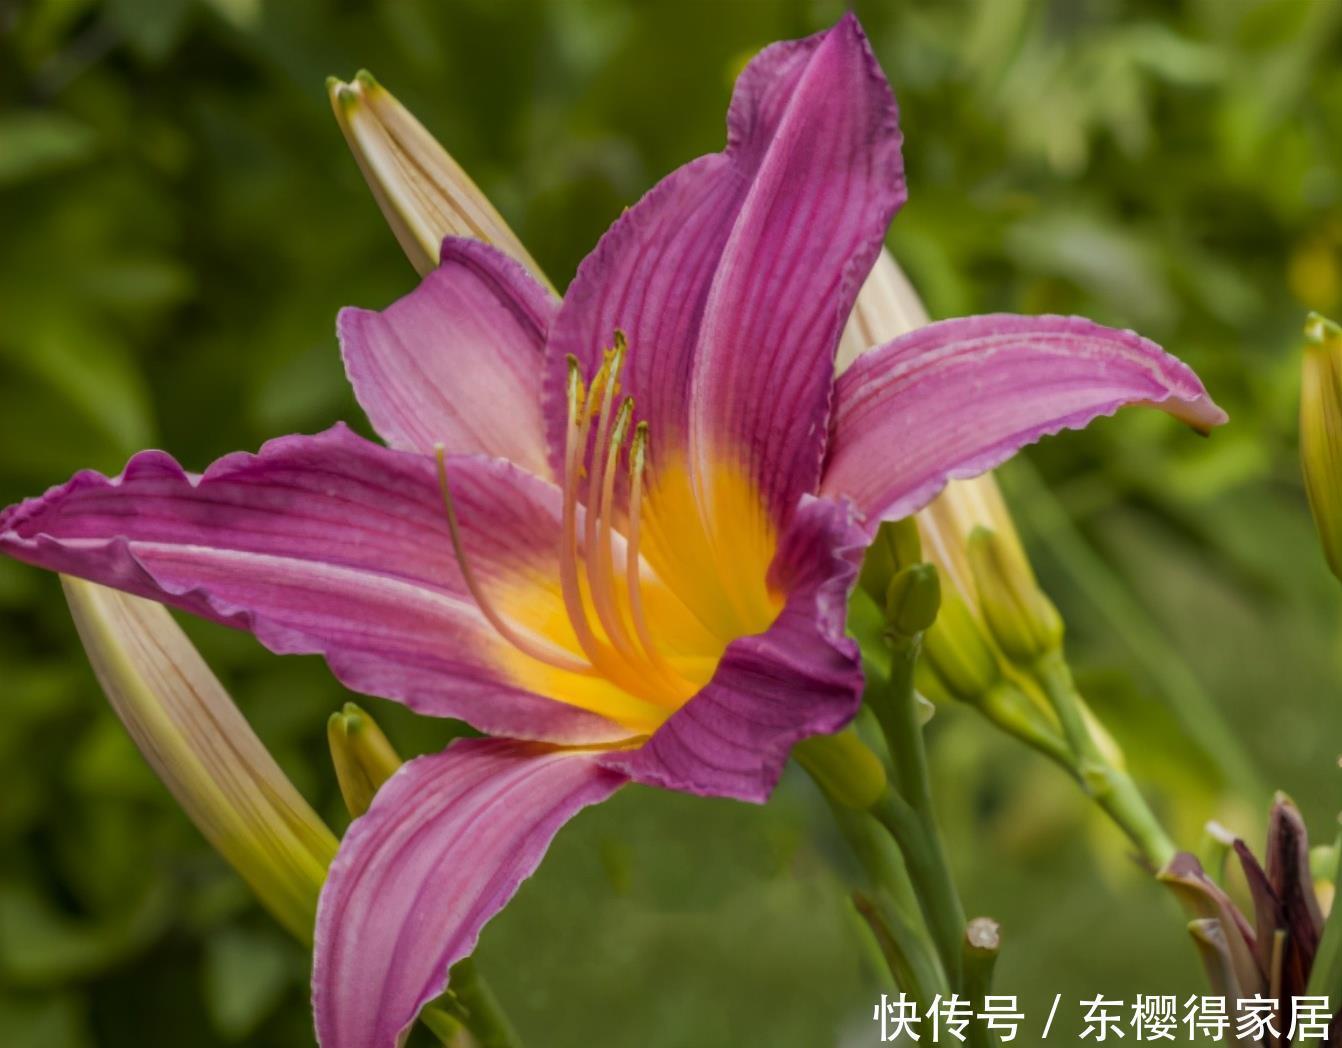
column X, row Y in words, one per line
column 179, row 222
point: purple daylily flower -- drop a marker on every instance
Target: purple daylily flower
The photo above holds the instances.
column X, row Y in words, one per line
column 632, row 562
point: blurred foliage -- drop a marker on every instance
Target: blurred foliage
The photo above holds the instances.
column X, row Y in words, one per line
column 181, row 223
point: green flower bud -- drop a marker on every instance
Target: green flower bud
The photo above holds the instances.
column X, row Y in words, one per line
column 1321, row 432
column 844, row 767
column 362, row 756
column 912, row 601
column 957, row 653
column 895, row 546
column 1022, row 619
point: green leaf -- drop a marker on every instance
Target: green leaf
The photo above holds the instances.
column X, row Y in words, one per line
column 39, row 143
column 245, row 976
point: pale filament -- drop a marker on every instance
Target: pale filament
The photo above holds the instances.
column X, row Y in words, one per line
column 633, row 576
column 542, row 653
column 599, row 480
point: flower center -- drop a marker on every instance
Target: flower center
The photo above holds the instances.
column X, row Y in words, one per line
column 604, row 654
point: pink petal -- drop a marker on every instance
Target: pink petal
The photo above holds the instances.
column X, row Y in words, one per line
column 457, row 361
column 328, row 544
column 801, row 677
column 446, row 844
column 733, row 276
column 959, row 397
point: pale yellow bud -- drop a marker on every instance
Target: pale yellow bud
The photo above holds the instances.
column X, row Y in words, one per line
column 203, row 749
column 424, row 194
column 1022, row 619
column 1321, row 432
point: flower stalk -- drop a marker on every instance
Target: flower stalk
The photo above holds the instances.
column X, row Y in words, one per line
column 906, row 809
column 982, row 942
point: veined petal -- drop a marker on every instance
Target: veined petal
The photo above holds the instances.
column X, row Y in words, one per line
column 830, row 179
column 457, row 361
column 746, row 260
column 801, row 677
column 423, row 193
column 959, row 397
column 333, row 545
column 446, row 844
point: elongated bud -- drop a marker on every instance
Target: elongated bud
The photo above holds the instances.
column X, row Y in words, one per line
column 895, row 546
column 958, row 655
column 1321, row 432
column 201, row 746
column 363, row 757
column 1023, row 620
column 912, row 601
column 844, row 768
column 424, row 194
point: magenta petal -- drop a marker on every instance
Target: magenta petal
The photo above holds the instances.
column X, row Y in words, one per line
column 328, row 544
column 959, row 397
column 802, row 244
column 457, row 361
column 446, row 844
column 801, row 677
column 742, row 266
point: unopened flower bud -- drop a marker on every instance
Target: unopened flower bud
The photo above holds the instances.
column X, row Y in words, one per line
column 895, row 546
column 844, row 767
column 1022, row 619
column 958, row 655
column 423, row 193
column 912, row 601
column 201, row 746
column 1321, row 432
column 363, row 757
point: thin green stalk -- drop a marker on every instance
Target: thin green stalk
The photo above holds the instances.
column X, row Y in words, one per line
column 1326, row 977
column 909, row 815
column 483, row 1016
column 982, row 942
column 889, row 905
column 931, row 878
column 904, row 947
column 1112, row 788
column 1199, row 716
column 446, row 1027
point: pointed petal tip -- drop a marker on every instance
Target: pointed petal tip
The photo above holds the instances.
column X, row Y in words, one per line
column 1201, row 414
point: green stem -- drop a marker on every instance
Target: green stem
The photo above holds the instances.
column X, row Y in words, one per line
column 446, row 1027
column 931, row 878
column 1112, row 788
column 1199, row 716
column 1326, row 977
column 981, row 944
column 483, row 1016
column 909, row 815
column 904, row 947
column 889, row 905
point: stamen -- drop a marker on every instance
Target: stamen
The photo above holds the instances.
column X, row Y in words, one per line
column 638, row 452
column 608, row 378
column 522, row 643
column 579, row 420
column 600, row 556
